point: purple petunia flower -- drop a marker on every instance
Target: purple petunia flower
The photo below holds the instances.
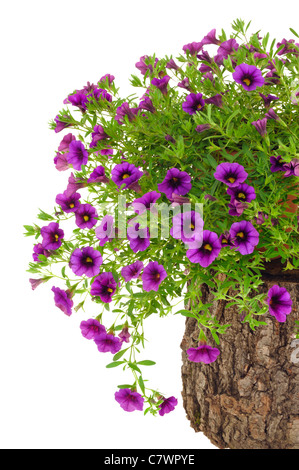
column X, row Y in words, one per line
column 202, row 127
column 261, row 126
column 77, row 155
column 210, row 38
column 60, row 125
column 60, row 161
column 68, row 202
column 185, row 84
column 139, row 238
column 204, row 251
column 147, row 105
column 91, row 328
column 106, row 231
column 277, row 164
column 78, row 99
column 74, row 184
column 124, row 335
column 271, row 114
column 232, row 174
column 100, row 94
column 203, row 353
column 292, row 168
column 153, row 275
column 108, row 77
column 268, row 99
column 193, row 47
column 63, row 300
column 107, row 343
column 143, row 67
column 98, row 175
column 86, row 261
column 172, row 65
column 161, row 84
column 187, row 227
column 261, row 218
column 128, row 400
column 245, row 236
column 39, row 250
column 146, row 202
column 125, row 174
column 52, row 236
column 86, row 216
column 132, row 271
column 125, row 110
column 249, row 76
column 194, row 102
column 104, row 286
column 169, row 138
column 97, row 134
column 288, row 47
column 280, row 303
column 216, row 100
column 36, row 282
column 65, row 143
column 236, row 208
column 175, row 181
column 226, row 239
column 108, row 152
column 167, row 406
column 242, row 193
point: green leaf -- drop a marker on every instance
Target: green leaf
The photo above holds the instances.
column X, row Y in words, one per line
column 141, row 384
column 146, row 363
column 114, row 364
column 119, row 354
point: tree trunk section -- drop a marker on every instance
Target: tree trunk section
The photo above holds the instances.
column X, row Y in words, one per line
column 249, row 397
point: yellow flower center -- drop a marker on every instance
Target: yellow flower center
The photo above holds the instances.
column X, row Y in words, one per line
column 88, row 260
column 125, row 176
column 224, row 240
column 240, row 234
column 109, row 289
column 56, row 237
column 72, row 205
column 192, row 226
column 157, row 276
column 207, row 247
column 247, row 81
column 86, row 218
column 231, row 179
column 175, row 179
column 241, row 196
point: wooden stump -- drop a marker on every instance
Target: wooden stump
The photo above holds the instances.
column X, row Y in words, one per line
column 249, row 397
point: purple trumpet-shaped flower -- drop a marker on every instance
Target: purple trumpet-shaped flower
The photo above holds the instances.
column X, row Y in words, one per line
column 107, row 343
column 60, row 161
column 288, row 47
column 225, row 49
column 261, row 218
column 172, row 65
column 161, row 84
column 60, row 125
column 143, row 67
column 129, row 400
column 216, row 100
column 86, row 216
column 100, row 94
column 203, row 353
column 125, row 110
column 108, row 77
column 193, row 47
column 261, row 126
column 268, row 99
column 68, row 202
column 271, row 114
column 175, row 181
column 77, row 155
column 245, row 236
column 280, row 303
column 194, row 102
column 125, row 174
column 124, row 335
column 187, row 227
column 242, row 193
column 39, row 250
column 98, row 175
column 132, row 271
column 63, row 300
column 204, row 251
column 139, row 238
column 185, row 84
column 106, row 230
column 65, row 143
column 108, row 152
column 91, row 328
column 249, row 76
column 146, row 202
column 52, row 236
column 232, row 174
column 104, row 286
column 74, row 184
column 167, row 406
column 277, row 164
column 153, row 274
column 97, row 134
column 36, row 282
column 226, row 239
column 210, row 38
column 78, row 99
column 292, row 168
column 236, row 208
column 202, row 127
column 86, row 261
column 169, row 138
column 147, row 105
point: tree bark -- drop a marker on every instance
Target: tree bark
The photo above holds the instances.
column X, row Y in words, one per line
column 249, row 397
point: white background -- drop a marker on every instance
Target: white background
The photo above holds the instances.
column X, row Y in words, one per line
column 55, row 390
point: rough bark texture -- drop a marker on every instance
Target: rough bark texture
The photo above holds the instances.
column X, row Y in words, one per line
column 249, row 397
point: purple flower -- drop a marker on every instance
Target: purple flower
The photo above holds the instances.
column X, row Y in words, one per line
column 172, row 65
column 125, row 174
column 60, row 161
column 63, row 300
column 167, row 406
column 170, row 139
column 143, row 67
column 86, row 261
column 125, row 110
column 260, row 126
column 242, row 193
column 108, row 77
column 215, row 100
column 147, row 104
column 100, row 94
column 161, row 84
column 128, row 400
column 271, row 114
column 248, row 76
column 267, row 99
column 226, row 239
column 77, row 155
column 245, row 236
column 193, row 47
column 185, row 84
column 86, row 216
column 52, row 236
column 60, row 125
column 261, row 218
column 97, row 134
column 78, row 99
column 106, row 231
column 258, row 55
column 187, row 227
column 91, row 328
column 210, row 38
column 124, row 335
column 68, row 202
column 280, row 303
column 132, row 271
column 204, row 251
column 107, row 343
column 36, row 282
column 277, row 164
column 98, row 175
column 194, row 102
column 39, row 250
column 292, row 168
column 153, row 275
column 203, row 353
column 139, row 238
column 225, row 49
column 104, row 286
column 108, row 152
column 288, row 47
column 175, row 181
column 236, row 208
column 74, row 184
column 202, row 127
column 146, row 202
column 232, row 174
column 64, row 144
